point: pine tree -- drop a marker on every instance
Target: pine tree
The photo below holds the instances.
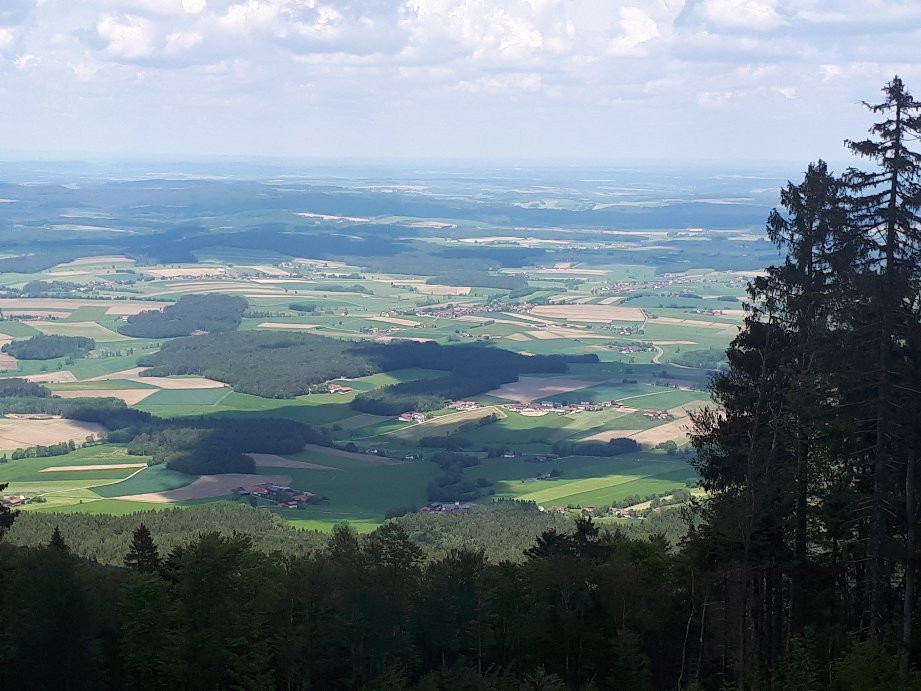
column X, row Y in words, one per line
column 57, row 542
column 143, row 555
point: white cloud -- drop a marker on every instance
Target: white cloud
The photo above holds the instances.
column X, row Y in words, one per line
column 7, row 37
column 753, row 15
column 154, row 7
column 83, row 71
column 194, row 6
column 251, row 14
column 179, row 41
column 830, row 71
column 285, row 66
column 483, row 30
column 638, row 28
column 26, row 61
column 130, row 37
column 503, row 84
column 717, row 99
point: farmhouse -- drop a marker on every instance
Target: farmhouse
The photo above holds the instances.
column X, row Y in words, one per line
column 336, row 388
column 465, row 405
column 14, row 501
column 455, row 508
column 412, row 416
column 285, row 497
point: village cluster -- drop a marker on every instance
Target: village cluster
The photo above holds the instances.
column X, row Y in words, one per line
column 532, row 408
column 458, row 311
column 667, row 281
column 282, row 496
column 459, row 406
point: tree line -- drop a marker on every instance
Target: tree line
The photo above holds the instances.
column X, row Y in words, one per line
column 479, row 279
column 809, row 535
column 580, row 609
column 502, row 529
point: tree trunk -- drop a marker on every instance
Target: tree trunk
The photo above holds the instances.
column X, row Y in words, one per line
column 909, row 595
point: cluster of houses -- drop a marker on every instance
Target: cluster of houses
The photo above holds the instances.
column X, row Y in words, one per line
column 464, row 405
column 657, row 414
column 283, row 496
column 336, row 388
column 14, row 501
column 563, row 408
column 591, row 511
column 412, row 416
column 635, row 348
column 455, row 508
column 457, row 311
column 664, row 283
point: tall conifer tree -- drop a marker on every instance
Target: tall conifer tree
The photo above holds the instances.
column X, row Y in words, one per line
column 143, row 554
column 884, row 209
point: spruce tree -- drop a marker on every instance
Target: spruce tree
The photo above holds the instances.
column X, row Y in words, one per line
column 758, row 456
column 885, row 206
column 143, row 554
column 57, row 542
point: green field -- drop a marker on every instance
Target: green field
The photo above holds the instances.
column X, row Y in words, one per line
column 71, row 487
column 195, row 397
column 92, row 330
column 360, row 490
column 156, row 478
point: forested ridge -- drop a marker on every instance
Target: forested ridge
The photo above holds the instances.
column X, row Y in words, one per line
column 503, row 530
column 798, row 569
column 211, row 312
column 45, row 347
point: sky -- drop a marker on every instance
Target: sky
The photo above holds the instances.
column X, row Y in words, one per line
column 593, row 81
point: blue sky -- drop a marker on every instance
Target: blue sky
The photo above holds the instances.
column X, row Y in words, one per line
column 512, row 80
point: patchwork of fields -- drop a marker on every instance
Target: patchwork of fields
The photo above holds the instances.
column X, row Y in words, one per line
column 571, row 309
